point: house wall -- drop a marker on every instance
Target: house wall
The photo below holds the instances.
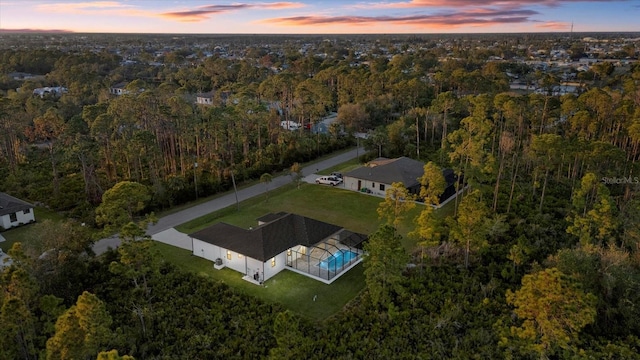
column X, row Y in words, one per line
column 298, row 251
column 21, row 218
column 5, row 222
column 206, row 250
column 204, row 101
column 118, row 91
column 238, row 262
column 351, row 183
column 269, row 270
column 253, row 266
column 212, row 252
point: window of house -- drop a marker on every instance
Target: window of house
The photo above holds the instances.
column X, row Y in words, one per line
column 273, row 262
column 13, row 217
column 228, row 254
column 289, row 252
column 373, row 185
column 381, row 186
column 26, row 211
column 303, row 250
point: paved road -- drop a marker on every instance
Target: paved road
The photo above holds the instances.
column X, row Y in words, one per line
column 228, row 199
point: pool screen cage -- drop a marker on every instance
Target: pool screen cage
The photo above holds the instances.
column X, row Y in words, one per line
column 328, row 258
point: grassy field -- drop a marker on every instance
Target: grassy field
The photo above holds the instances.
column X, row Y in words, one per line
column 22, row 233
column 342, row 167
column 351, row 210
column 294, row 291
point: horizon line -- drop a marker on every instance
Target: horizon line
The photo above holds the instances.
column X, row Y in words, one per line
column 59, row 31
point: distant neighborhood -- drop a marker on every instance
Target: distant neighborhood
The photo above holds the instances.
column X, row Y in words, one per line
column 567, row 60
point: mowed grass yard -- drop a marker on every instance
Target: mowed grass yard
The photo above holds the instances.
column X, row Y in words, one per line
column 291, row 290
column 23, row 233
column 351, row 210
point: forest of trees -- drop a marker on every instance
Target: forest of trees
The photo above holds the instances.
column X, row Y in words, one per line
column 541, row 258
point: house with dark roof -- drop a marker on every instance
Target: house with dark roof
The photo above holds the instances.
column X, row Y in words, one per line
column 378, row 175
column 119, row 89
column 14, row 212
column 281, row 241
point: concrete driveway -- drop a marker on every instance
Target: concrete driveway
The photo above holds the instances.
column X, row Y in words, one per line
column 175, row 238
column 163, row 230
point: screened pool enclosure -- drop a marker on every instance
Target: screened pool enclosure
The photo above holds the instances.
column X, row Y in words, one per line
column 328, row 259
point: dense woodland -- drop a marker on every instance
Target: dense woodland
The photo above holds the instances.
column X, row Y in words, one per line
column 541, row 258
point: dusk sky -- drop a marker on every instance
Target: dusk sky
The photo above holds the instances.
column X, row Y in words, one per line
column 321, row 16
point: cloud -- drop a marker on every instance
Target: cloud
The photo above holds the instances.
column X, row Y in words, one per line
column 93, row 8
column 555, row 25
column 477, row 3
column 197, row 14
column 202, row 13
column 476, row 17
column 81, row 7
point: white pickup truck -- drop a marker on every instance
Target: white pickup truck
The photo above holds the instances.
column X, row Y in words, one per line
column 329, row 180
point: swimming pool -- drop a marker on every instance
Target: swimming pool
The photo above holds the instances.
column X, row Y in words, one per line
column 338, row 260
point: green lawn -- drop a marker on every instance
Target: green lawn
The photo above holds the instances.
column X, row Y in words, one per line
column 448, row 209
column 22, row 233
column 351, row 210
column 349, row 165
column 292, row 290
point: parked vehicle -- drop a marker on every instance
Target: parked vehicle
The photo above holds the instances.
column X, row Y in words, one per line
column 328, row 180
column 337, row 174
column 290, row 125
